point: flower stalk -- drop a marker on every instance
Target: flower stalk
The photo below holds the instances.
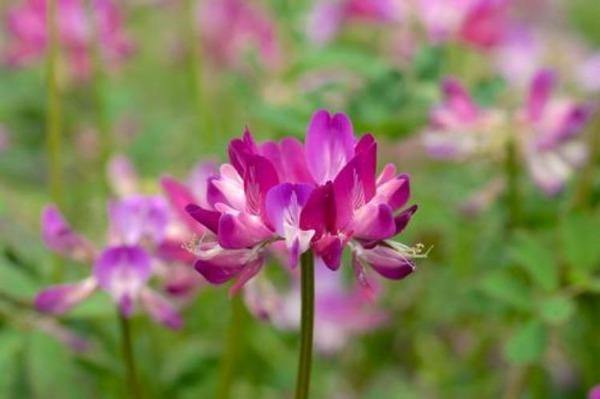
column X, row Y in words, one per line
column 306, row 324
column 513, row 199
column 132, row 381
column 54, row 109
column 231, row 350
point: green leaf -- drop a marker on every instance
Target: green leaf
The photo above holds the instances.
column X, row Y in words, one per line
column 16, row 282
column 11, row 343
column 579, row 242
column 51, row 369
column 527, row 344
column 557, row 310
column 533, row 255
column 503, row 286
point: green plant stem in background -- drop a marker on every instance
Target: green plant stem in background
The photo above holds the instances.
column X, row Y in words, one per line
column 99, row 93
column 231, row 349
column 131, row 378
column 204, row 126
column 585, row 185
column 306, row 324
column 54, row 108
column 513, row 204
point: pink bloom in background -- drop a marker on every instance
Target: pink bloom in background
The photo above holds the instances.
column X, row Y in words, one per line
column 233, row 30
column 340, row 312
column 550, row 130
column 594, row 393
column 323, row 195
column 327, row 17
column 458, row 127
column 28, row 33
column 123, row 268
column 481, row 23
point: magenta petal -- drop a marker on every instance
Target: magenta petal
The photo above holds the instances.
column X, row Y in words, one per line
column 402, row 219
column 180, row 197
column 59, row 299
column 539, row 93
column 458, row 100
column 122, row 272
column 259, row 178
column 319, row 213
column 240, row 149
column 329, row 145
column 216, row 273
column 284, row 203
column 209, row 219
column 388, row 262
column 330, row 249
column 395, row 192
column 250, row 270
column 59, row 237
column 294, row 161
column 374, row 222
column 242, row 231
column 160, row 309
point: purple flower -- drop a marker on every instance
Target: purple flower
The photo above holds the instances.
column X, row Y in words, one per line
column 26, row 25
column 594, row 392
column 324, row 196
column 551, row 127
column 123, row 269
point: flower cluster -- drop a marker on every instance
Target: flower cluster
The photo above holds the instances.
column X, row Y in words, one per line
column 28, row 33
column 322, row 196
column 545, row 129
column 123, row 268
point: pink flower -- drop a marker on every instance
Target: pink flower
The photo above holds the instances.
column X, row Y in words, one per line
column 322, row 196
column 458, row 127
column 480, row 23
column 233, row 30
column 123, row 269
column 327, row 17
column 594, row 392
column 28, row 33
column 550, row 128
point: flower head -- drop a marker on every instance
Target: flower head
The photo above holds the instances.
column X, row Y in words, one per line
column 322, row 196
column 123, row 268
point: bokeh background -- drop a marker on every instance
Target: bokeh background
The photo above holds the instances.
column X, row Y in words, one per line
column 496, row 310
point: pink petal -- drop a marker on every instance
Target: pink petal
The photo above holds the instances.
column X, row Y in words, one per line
column 59, row 237
column 138, row 218
column 241, row 231
column 59, row 299
column 208, row 218
column 539, row 93
column 160, row 309
column 180, row 197
column 329, row 145
column 387, row 262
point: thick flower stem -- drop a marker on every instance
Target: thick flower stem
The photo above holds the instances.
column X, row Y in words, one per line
column 54, row 109
column 132, row 381
column 513, row 199
column 306, row 325
column 231, row 349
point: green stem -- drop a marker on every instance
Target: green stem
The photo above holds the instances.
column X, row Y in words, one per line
column 513, row 200
column 203, row 118
column 99, row 92
column 231, row 349
column 585, row 185
column 132, row 381
column 54, row 109
column 306, row 324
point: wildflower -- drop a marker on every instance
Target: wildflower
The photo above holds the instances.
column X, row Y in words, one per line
column 233, row 29
column 323, row 196
column 550, row 128
column 123, row 268
column 28, row 34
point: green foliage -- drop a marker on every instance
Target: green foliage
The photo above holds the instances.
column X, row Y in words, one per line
column 527, row 343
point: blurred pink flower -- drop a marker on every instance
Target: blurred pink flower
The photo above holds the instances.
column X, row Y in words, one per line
column 458, row 127
column 327, row 17
column 481, row 23
column 233, row 30
column 28, row 33
column 594, row 392
column 340, row 312
column 550, row 128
